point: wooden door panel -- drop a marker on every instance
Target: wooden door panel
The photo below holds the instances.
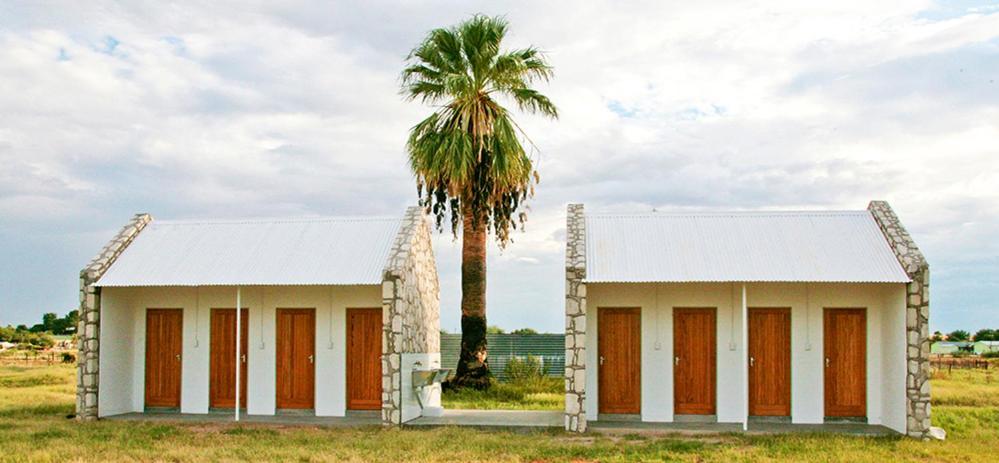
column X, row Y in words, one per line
column 845, row 346
column 222, row 358
column 619, row 346
column 364, row 359
column 770, row 362
column 296, row 344
column 694, row 351
column 164, row 347
column 619, row 350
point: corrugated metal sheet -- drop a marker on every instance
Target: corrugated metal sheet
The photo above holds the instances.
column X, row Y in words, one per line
column 312, row 251
column 549, row 348
column 844, row 246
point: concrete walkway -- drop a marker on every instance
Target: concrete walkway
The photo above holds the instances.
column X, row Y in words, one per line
column 512, row 419
column 638, row 427
column 352, row 419
column 518, row 420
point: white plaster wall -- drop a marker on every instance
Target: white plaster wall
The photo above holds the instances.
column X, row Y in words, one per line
column 885, row 355
column 261, row 375
column 893, row 346
column 124, row 313
column 195, row 364
column 431, row 396
column 115, row 394
column 138, row 353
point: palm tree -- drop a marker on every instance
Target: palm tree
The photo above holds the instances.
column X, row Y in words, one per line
column 469, row 163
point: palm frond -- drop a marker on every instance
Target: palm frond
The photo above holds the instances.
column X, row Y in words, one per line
column 468, row 156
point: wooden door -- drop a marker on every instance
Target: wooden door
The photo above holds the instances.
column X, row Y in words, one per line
column 619, row 350
column 222, row 358
column 770, row 362
column 364, row 359
column 845, row 344
column 164, row 347
column 694, row 350
column 296, row 354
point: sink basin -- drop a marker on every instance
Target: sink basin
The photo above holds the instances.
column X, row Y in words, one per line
column 423, row 378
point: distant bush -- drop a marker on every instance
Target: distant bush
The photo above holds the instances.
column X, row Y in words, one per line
column 524, row 369
column 25, row 339
column 493, row 329
column 991, row 355
column 68, row 357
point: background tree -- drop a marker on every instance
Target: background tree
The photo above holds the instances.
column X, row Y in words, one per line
column 51, row 323
column 48, row 322
column 67, row 324
column 986, row 334
column 958, row 335
column 524, row 331
column 470, row 166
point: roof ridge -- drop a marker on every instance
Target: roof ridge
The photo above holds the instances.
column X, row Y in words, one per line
column 764, row 213
column 258, row 220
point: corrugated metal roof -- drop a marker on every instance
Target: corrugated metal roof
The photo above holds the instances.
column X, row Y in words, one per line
column 309, row 251
column 841, row 246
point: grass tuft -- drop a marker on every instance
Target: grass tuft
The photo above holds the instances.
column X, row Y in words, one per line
column 256, row 432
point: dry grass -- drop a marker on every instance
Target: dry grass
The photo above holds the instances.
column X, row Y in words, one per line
column 972, row 388
column 33, row 427
column 37, row 391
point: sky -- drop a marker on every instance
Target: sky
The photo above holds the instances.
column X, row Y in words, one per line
column 249, row 109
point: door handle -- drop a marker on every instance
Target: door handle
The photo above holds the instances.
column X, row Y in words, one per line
column 311, row 359
column 676, row 360
column 827, row 362
column 601, row 359
column 242, row 358
column 752, row 361
column 178, row 357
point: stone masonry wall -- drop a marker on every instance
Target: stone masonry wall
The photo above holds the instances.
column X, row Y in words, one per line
column 411, row 307
column 575, row 320
column 88, row 330
column 917, row 318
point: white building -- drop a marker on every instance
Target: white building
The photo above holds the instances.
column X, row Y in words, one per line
column 336, row 314
column 799, row 317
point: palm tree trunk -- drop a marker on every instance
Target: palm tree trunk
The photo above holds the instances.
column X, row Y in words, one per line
column 473, row 366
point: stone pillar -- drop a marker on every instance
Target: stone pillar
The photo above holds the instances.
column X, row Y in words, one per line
column 575, row 320
column 391, row 352
column 410, row 308
column 88, row 330
column 917, row 318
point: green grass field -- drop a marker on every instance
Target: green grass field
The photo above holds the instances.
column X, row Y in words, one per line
column 34, row 403
column 538, row 394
